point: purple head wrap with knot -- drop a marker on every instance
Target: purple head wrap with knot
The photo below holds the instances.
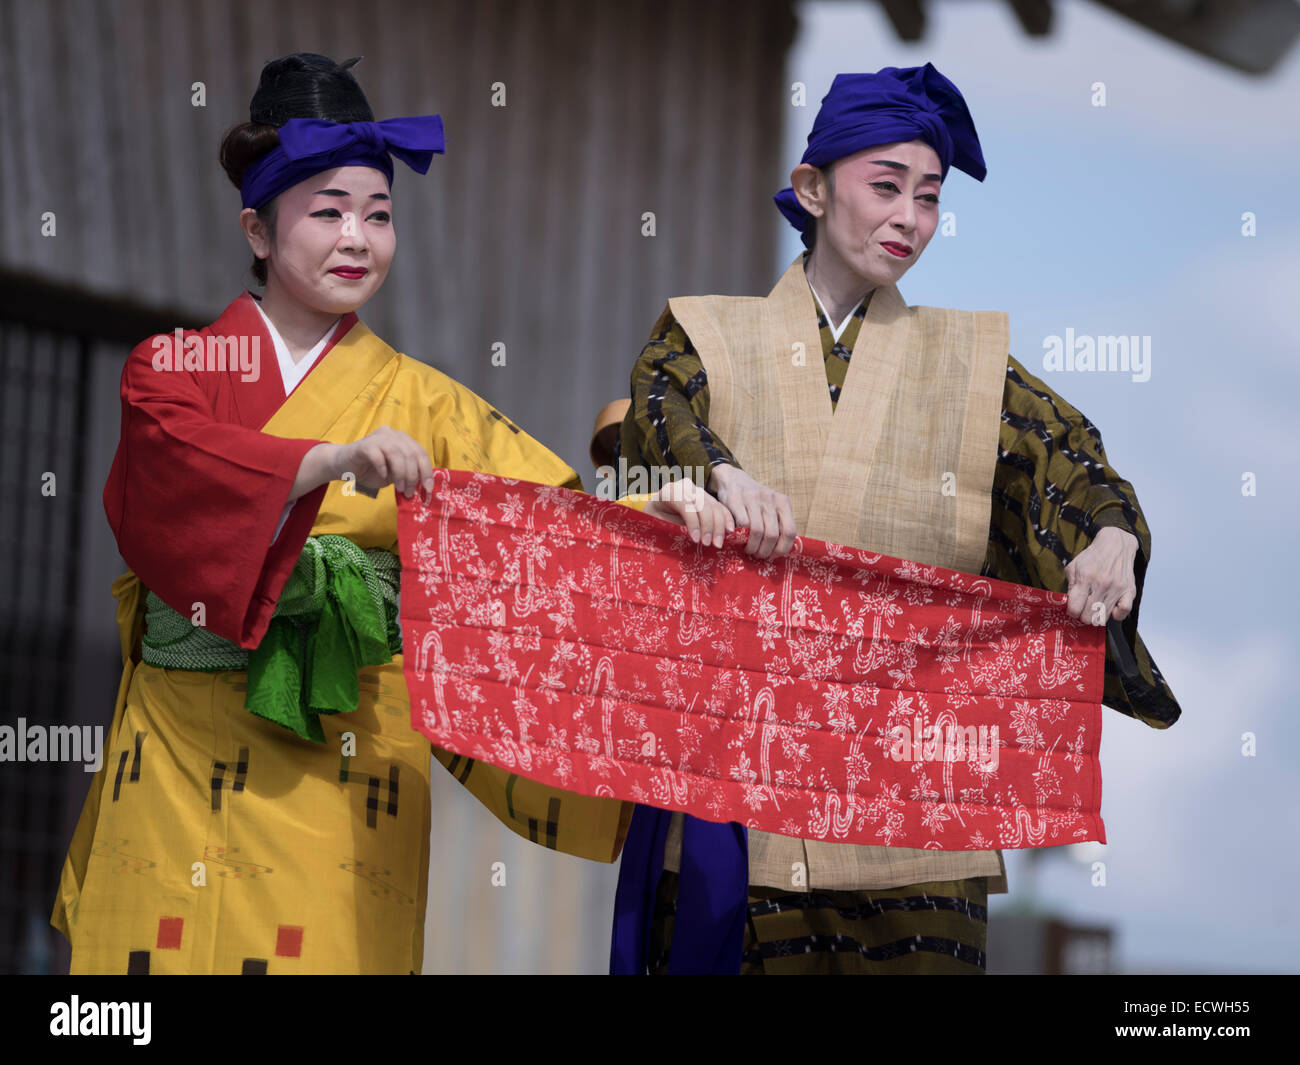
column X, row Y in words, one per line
column 311, row 145
column 892, row 105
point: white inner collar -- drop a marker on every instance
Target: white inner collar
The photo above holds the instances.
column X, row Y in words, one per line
column 836, row 330
column 292, row 373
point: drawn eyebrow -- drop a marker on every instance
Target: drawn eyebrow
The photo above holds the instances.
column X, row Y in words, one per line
column 903, row 166
column 344, row 192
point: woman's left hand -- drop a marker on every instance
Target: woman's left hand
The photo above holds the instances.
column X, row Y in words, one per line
column 684, row 502
column 1101, row 580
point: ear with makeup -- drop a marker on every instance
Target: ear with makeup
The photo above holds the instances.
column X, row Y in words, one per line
column 257, row 232
column 810, row 188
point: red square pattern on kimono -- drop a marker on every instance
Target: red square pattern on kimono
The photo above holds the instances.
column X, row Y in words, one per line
column 833, row 694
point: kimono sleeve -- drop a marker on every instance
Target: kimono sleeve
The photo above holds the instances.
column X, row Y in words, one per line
column 471, row 434
column 194, row 501
column 667, row 423
column 1056, row 466
column 1054, row 490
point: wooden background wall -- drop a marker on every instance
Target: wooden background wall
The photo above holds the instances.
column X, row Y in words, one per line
column 527, row 232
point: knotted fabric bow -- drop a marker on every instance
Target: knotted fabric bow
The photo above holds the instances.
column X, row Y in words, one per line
column 894, row 104
column 337, row 614
column 311, row 145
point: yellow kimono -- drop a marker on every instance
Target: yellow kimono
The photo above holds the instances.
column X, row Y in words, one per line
column 214, row 841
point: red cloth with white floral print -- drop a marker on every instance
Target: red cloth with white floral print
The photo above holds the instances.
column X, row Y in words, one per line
column 832, row 694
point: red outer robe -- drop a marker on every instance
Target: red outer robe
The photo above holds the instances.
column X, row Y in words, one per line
column 196, row 489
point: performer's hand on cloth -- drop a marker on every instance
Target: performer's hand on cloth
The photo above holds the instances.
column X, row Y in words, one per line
column 683, row 502
column 768, row 515
column 387, row 456
column 1102, row 584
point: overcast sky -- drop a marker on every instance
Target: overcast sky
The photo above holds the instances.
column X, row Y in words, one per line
column 1127, row 220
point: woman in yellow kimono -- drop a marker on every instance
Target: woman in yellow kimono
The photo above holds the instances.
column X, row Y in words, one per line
column 264, row 803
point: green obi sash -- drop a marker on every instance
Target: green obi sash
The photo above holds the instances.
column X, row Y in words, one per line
column 336, row 615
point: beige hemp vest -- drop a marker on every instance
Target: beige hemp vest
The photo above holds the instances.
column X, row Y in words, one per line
column 921, row 405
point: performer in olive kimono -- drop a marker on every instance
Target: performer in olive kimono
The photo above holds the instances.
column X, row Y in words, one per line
column 916, row 435
column 264, row 803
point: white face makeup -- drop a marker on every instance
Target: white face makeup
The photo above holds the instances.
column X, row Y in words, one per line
column 334, row 241
column 883, row 211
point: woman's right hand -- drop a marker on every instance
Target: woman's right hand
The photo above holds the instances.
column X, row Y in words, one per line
column 386, row 456
column 767, row 514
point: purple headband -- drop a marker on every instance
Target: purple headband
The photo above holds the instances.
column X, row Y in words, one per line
column 311, row 145
column 894, row 104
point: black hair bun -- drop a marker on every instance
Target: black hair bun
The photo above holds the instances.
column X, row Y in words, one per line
column 302, row 85
column 308, row 85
